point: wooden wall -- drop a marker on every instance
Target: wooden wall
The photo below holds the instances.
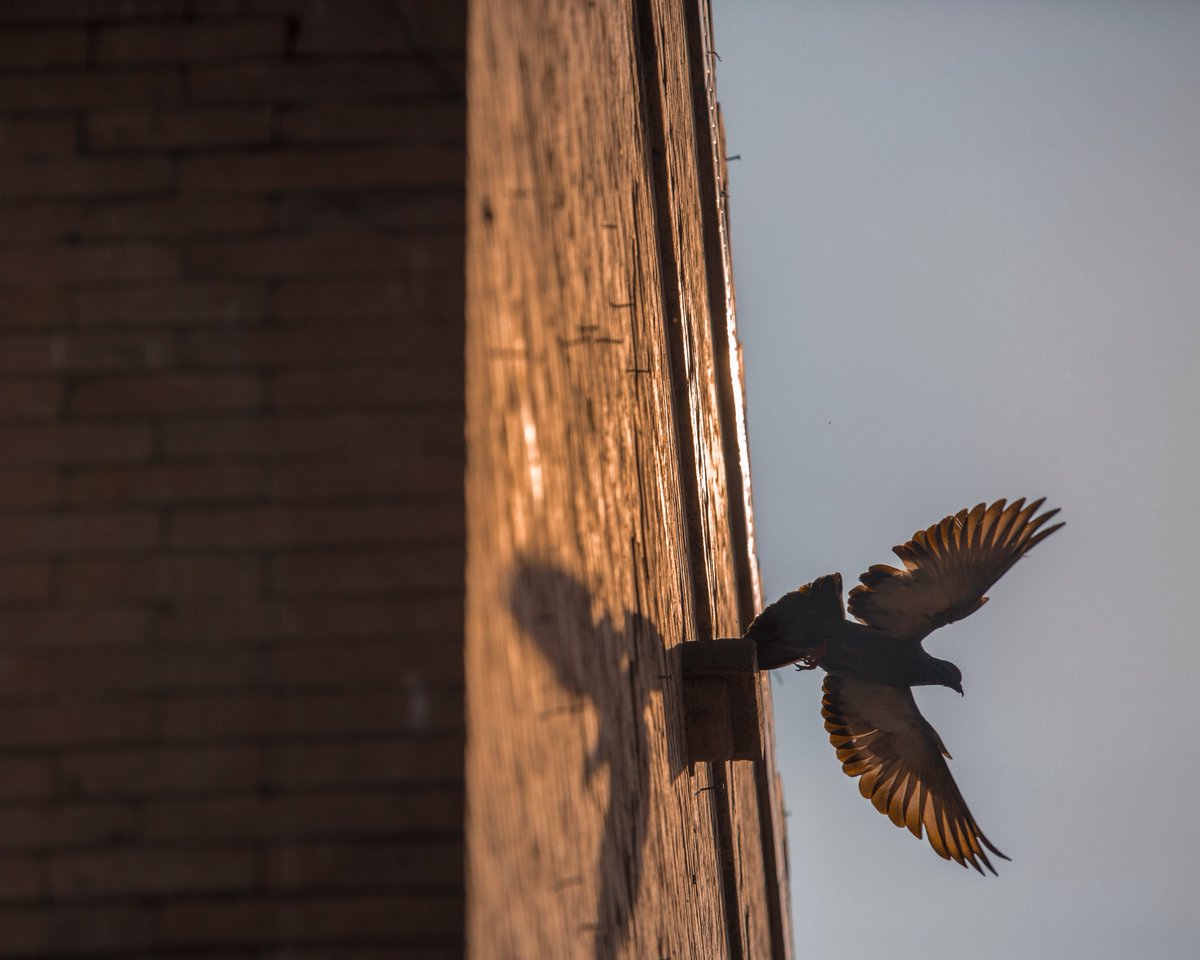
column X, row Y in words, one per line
column 607, row 504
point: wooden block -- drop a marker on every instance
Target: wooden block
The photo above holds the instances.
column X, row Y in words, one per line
column 722, row 701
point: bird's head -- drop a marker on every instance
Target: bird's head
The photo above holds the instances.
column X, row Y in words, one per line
column 946, row 674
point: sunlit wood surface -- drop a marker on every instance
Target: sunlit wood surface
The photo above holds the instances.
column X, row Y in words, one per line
column 607, row 516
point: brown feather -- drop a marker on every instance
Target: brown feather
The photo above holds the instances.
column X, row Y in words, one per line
column 882, row 739
column 948, row 567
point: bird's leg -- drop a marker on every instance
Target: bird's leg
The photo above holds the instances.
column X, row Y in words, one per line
column 810, row 661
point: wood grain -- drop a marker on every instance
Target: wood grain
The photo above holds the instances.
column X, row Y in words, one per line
column 608, row 519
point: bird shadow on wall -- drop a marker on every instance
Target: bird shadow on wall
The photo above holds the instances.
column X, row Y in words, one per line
column 614, row 664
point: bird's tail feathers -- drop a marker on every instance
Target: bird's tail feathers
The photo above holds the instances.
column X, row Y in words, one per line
column 793, row 627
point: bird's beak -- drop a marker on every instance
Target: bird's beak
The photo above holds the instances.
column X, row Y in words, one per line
column 958, row 687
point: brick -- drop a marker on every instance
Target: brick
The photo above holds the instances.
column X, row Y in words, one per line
column 265, row 718
column 367, row 572
column 322, row 918
column 436, row 865
column 358, row 122
column 91, row 353
column 25, row 778
column 422, row 620
column 43, row 48
column 79, row 723
column 111, row 353
column 427, row 918
column 55, row 931
column 286, row 526
column 124, row 871
column 139, row 670
column 177, row 129
column 26, row 488
column 164, row 771
column 451, row 949
column 415, row 387
column 165, row 483
column 78, row 533
column 23, row 582
column 420, row 811
column 31, row 353
column 420, row 164
column 24, row 678
column 309, row 434
column 81, row 353
column 207, row 624
column 288, row 256
column 436, row 212
column 84, row 176
column 49, row 263
column 78, row 90
column 30, row 305
column 223, row 718
column 33, row 136
column 94, row 625
column 161, row 394
column 58, row 825
column 187, row 42
column 165, row 218
column 26, row 221
column 173, row 304
column 29, row 399
column 216, row 9
column 363, row 763
column 310, row 345
column 368, row 664
column 74, row 221
column 329, row 79
column 22, row 877
column 157, row 578
column 49, row 10
column 408, row 27
column 304, row 299
column 368, row 476
column 72, row 443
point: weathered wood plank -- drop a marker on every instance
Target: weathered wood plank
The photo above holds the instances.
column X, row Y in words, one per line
column 598, row 500
column 696, row 180
column 730, row 369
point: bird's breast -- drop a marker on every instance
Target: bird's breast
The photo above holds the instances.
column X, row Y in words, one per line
column 872, row 655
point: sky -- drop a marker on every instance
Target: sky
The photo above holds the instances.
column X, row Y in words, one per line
column 966, row 244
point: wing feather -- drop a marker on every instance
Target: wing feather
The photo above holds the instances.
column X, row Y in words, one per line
column 948, row 567
column 881, row 738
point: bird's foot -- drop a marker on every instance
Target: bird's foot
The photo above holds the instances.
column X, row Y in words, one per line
column 812, row 660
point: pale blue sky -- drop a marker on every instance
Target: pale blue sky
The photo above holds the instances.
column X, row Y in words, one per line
column 966, row 240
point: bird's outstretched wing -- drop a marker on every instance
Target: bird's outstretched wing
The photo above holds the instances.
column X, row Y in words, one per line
column 882, row 739
column 948, row 567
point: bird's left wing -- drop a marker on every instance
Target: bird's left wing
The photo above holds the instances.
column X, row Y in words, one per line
column 948, row 568
column 882, row 739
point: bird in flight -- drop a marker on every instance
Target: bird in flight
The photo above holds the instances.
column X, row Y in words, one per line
column 873, row 662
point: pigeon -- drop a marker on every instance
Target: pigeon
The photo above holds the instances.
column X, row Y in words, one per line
column 873, row 661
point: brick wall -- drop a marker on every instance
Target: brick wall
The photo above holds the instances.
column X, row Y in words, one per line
column 231, row 544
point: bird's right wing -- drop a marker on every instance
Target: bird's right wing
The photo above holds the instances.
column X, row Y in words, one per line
column 948, row 568
column 882, row 739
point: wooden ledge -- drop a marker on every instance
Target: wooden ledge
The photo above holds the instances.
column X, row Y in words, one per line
column 722, row 701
